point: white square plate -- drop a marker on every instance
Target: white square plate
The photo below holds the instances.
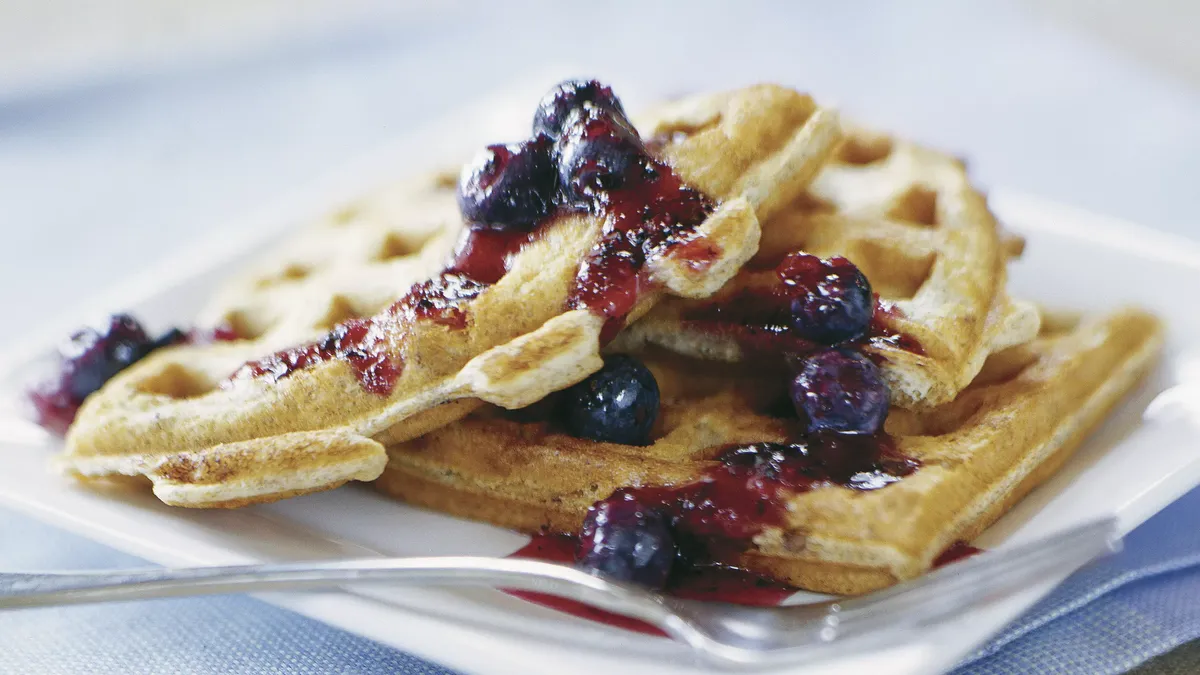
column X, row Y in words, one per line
column 1136, row 464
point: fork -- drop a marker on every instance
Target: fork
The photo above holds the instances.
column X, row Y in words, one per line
column 727, row 635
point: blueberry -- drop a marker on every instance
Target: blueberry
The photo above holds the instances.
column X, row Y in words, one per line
column 831, row 300
column 509, row 186
column 89, row 359
column 617, row 404
column 557, row 105
column 92, row 357
column 595, row 153
column 840, row 391
column 627, row 541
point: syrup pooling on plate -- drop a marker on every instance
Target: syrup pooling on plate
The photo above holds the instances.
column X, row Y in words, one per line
column 959, row 550
column 714, row 583
column 711, row 582
column 584, row 156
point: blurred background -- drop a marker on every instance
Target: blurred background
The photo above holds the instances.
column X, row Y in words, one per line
column 131, row 128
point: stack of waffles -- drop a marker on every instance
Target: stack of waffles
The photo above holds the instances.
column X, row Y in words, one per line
column 395, row 341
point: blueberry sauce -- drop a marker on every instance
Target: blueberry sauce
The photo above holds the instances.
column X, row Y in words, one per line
column 880, row 334
column 224, row 332
column 484, row 254
column 652, row 212
column 815, row 317
column 712, row 520
column 743, row 491
column 645, row 218
column 91, row 357
column 709, row 582
column 762, row 318
column 358, row 342
column 959, row 550
column 583, row 157
column 747, row 488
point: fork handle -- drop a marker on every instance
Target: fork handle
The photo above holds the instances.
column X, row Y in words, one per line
column 34, row 590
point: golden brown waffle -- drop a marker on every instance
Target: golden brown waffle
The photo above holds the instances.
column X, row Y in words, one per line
column 757, row 149
column 1021, row 418
column 908, row 217
column 351, row 263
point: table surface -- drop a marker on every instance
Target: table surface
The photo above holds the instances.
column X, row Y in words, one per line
column 102, row 178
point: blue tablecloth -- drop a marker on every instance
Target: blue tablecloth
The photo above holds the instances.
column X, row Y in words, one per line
column 1115, row 613
column 1107, row 618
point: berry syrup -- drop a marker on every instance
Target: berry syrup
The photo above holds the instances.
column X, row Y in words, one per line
column 714, row 518
column 645, row 213
column 359, row 342
column 959, row 550
column 759, row 319
column 711, row 582
column 652, row 211
column 747, row 488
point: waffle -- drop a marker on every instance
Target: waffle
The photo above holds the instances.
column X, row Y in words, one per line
column 1023, row 415
column 908, row 217
column 249, row 437
column 351, row 263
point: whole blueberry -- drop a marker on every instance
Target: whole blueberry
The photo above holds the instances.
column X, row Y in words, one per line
column 624, row 539
column 509, row 186
column 566, row 97
column 92, row 357
column 831, row 300
column 595, row 153
column 87, row 360
column 840, row 391
column 617, row 404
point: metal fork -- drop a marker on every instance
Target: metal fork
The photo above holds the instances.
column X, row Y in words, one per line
column 728, row 635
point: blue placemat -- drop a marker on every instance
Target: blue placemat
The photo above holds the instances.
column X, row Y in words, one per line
column 1115, row 613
